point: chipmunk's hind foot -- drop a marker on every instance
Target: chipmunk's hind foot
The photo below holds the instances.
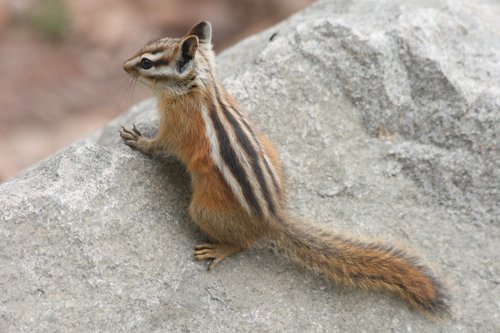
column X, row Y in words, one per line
column 214, row 252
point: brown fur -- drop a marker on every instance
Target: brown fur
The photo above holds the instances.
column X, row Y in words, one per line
column 361, row 263
column 218, row 213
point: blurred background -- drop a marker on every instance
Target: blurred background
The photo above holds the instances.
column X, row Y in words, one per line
column 60, row 61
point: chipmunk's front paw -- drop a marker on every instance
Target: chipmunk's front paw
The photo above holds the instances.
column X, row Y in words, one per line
column 133, row 138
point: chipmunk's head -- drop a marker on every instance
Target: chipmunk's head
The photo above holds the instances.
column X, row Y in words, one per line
column 174, row 66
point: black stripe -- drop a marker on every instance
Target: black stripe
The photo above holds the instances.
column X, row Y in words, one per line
column 231, row 160
column 266, row 164
column 252, row 154
column 160, row 62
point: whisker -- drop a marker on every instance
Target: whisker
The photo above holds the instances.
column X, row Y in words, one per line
column 134, row 84
column 126, row 83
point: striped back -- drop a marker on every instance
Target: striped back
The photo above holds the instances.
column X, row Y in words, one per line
column 183, row 69
column 240, row 157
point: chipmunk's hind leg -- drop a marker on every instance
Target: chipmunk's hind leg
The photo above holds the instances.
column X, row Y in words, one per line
column 216, row 252
column 229, row 233
column 217, row 213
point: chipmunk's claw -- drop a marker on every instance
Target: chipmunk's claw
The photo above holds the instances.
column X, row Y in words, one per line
column 214, row 252
column 130, row 137
column 136, row 131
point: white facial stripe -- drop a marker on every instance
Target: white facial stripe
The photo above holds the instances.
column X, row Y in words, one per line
column 160, row 71
column 152, row 57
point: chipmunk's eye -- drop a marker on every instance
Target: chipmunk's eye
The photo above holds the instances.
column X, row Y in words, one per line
column 146, row 63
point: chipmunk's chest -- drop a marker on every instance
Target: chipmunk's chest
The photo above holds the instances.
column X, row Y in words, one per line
column 184, row 125
column 185, row 135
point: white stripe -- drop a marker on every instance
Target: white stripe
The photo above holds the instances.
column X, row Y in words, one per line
column 217, row 158
column 273, row 175
column 245, row 163
column 152, row 57
column 256, row 143
column 164, row 70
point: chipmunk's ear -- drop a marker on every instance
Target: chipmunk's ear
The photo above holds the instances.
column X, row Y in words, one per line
column 203, row 31
column 189, row 45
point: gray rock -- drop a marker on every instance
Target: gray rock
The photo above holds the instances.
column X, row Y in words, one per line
column 386, row 116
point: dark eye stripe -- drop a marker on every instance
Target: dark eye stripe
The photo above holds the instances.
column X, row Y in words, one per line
column 146, row 63
column 161, row 62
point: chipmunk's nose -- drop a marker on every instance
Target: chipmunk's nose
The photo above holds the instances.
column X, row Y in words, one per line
column 129, row 65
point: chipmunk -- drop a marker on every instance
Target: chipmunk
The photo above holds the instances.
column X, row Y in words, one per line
column 238, row 192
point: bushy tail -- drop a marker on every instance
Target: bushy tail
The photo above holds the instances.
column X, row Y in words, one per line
column 365, row 264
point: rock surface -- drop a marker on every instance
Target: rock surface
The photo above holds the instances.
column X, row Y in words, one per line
column 386, row 116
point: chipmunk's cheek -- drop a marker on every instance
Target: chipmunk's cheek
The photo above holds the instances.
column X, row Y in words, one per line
column 145, row 81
